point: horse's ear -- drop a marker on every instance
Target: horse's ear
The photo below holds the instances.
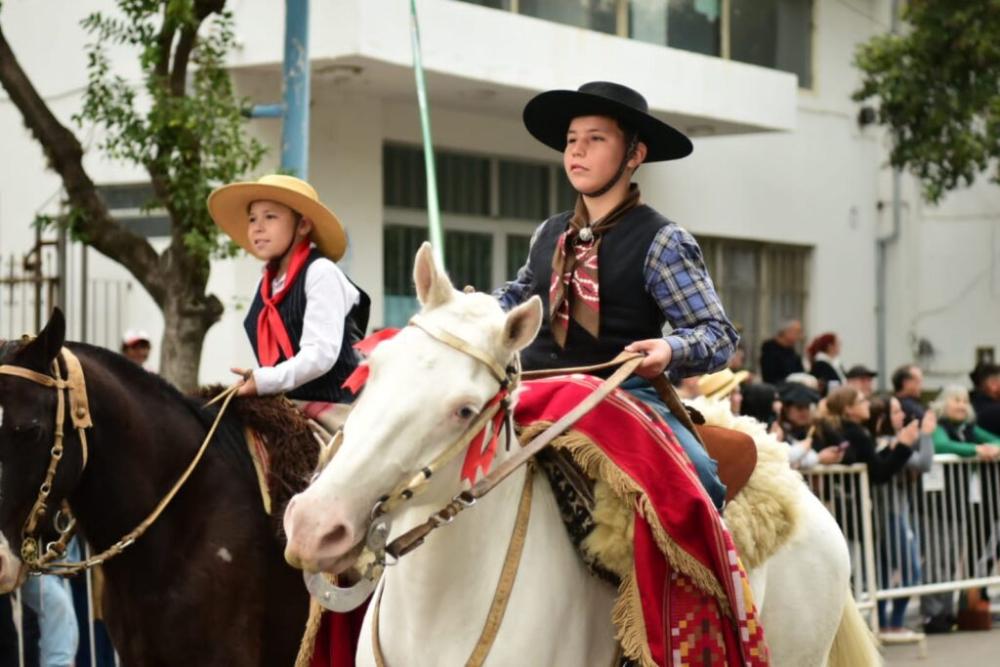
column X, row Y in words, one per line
column 522, row 325
column 39, row 353
column 433, row 286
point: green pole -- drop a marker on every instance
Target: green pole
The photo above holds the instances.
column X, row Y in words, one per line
column 433, row 211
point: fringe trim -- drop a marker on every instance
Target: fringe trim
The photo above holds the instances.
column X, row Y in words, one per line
column 308, row 644
column 596, row 463
column 627, row 613
column 630, row 625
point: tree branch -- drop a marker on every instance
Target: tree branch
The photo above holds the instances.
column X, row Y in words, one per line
column 65, row 156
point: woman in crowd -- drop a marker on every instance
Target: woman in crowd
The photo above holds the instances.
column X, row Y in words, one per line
column 824, row 362
column 957, row 431
column 899, row 550
column 843, row 425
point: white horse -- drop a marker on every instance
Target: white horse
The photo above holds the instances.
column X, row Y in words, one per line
column 421, row 395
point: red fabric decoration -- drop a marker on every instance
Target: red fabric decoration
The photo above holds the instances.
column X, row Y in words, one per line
column 477, row 457
column 366, row 345
column 272, row 337
column 337, row 640
column 679, row 618
column 356, row 380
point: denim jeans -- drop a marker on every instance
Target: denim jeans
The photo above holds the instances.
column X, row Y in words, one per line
column 704, row 465
column 49, row 597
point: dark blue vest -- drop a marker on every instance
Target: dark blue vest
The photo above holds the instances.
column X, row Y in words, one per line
column 628, row 312
column 292, row 309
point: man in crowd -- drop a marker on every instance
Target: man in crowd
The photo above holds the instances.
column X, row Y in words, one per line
column 136, row 346
column 778, row 356
column 908, row 385
column 862, row 378
column 985, row 396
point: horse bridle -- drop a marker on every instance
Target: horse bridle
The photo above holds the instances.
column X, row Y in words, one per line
column 74, row 389
column 44, row 562
column 338, row 598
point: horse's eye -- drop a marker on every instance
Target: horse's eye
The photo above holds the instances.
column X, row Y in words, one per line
column 466, row 413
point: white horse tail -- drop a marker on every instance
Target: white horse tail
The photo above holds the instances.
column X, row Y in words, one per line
column 854, row 644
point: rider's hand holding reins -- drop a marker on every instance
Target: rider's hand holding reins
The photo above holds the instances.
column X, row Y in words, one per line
column 658, row 355
column 249, row 386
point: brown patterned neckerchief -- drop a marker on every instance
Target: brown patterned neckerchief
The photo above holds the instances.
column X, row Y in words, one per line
column 575, row 289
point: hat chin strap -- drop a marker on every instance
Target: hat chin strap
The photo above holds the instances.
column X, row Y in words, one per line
column 629, row 152
column 291, row 246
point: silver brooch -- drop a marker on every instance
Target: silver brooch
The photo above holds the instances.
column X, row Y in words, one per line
column 586, row 235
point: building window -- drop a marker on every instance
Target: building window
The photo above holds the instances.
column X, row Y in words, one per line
column 761, row 285
column 770, row 33
column 134, row 207
column 692, row 25
column 775, row 34
column 490, row 207
column 599, row 15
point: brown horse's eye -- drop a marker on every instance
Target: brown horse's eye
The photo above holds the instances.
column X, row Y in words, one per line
column 466, row 413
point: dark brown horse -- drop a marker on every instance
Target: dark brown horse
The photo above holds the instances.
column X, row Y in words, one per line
column 206, row 584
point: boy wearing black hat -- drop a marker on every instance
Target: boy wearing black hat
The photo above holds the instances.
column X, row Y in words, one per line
column 613, row 272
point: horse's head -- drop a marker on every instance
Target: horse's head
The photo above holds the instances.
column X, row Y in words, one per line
column 421, row 397
column 27, row 436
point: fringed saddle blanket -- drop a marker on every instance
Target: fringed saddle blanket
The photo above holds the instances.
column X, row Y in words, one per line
column 684, row 597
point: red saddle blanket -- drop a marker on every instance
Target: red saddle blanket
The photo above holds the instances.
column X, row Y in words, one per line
column 687, row 600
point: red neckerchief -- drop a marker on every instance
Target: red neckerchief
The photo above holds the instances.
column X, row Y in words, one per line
column 272, row 337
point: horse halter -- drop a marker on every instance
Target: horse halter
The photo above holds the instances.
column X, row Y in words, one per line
column 74, row 386
column 339, row 598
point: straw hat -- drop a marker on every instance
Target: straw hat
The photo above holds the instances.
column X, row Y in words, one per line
column 229, row 204
column 721, row 384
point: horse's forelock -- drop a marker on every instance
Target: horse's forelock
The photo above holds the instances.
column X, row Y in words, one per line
column 7, row 349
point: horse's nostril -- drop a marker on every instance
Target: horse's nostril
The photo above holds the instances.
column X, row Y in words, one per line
column 336, row 537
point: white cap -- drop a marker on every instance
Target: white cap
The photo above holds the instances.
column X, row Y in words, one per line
column 133, row 336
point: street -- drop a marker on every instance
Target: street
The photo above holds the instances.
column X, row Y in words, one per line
column 960, row 649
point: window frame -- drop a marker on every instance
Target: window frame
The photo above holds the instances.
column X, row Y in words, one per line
column 622, row 29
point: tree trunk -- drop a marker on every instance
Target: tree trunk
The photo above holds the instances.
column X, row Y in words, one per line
column 186, row 320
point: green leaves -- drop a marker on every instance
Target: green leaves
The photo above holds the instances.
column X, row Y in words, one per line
column 938, row 91
column 182, row 121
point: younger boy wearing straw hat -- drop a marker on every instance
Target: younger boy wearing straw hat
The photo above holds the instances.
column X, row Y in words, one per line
column 306, row 313
column 613, row 271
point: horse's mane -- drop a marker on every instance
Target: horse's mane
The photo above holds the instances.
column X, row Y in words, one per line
column 137, row 376
column 280, row 428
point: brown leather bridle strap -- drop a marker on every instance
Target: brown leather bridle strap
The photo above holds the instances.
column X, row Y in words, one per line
column 414, row 537
column 587, row 370
column 434, row 331
column 501, row 596
column 75, row 385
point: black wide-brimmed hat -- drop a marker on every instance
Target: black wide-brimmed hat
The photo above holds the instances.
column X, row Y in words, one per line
column 548, row 115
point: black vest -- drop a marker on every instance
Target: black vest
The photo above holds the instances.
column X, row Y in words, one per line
column 628, row 312
column 292, row 309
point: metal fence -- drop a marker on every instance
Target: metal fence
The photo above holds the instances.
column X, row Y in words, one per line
column 918, row 534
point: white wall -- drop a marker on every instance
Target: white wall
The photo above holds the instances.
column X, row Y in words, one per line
column 818, row 185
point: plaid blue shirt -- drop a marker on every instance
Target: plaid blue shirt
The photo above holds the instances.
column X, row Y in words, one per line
column 702, row 337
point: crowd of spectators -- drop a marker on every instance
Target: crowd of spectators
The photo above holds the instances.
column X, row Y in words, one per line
column 830, row 413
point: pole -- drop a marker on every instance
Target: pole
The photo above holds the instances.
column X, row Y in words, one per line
column 882, row 254
column 296, row 70
column 433, row 210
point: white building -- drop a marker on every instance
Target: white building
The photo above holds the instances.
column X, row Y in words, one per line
column 786, row 192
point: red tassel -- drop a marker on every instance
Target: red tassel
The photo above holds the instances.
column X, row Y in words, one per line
column 476, row 457
column 366, row 345
column 356, row 380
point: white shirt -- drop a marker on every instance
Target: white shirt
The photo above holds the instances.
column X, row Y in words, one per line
column 329, row 297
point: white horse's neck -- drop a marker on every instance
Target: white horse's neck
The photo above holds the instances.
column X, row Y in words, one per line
column 435, row 602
